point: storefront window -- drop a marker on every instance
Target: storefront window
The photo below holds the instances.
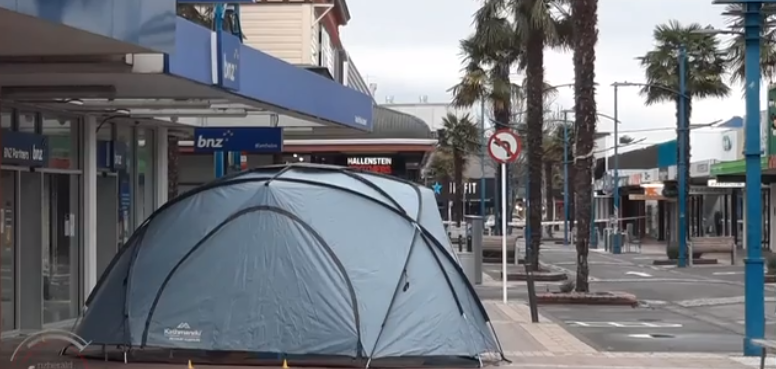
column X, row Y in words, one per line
column 60, row 252
column 124, row 138
column 61, row 139
column 27, row 121
column 145, row 187
column 8, row 250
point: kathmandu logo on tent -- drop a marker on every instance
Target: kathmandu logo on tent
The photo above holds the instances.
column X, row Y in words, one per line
column 183, row 333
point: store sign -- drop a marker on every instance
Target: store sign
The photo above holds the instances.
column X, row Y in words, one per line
column 228, row 48
column 111, row 155
column 703, row 190
column 713, row 183
column 372, row 164
column 248, row 139
column 469, row 188
column 25, row 149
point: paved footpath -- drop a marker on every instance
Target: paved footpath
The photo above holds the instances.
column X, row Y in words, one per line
column 546, row 345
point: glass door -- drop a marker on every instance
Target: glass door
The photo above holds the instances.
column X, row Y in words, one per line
column 60, row 253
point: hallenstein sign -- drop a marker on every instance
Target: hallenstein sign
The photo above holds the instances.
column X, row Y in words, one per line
column 376, row 164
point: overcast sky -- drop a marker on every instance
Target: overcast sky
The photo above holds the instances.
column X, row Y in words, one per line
column 410, row 48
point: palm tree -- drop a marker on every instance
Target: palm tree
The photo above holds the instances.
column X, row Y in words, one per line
column 460, row 137
column 489, row 54
column 539, row 24
column 514, row 33
column 585, row 32
column 705, row 71
column 202, row 15
column 736, row 47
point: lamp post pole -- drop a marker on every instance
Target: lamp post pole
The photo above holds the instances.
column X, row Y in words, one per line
column 754, row 296
column 754, row 299
column 482, row 158
column 566, row 178
column 616, row 246
column 682, row 133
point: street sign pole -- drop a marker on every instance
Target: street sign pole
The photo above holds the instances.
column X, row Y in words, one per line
column 504, row 148
column 504, row 233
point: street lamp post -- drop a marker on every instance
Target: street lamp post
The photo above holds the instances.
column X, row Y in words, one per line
column 566, row 178
column 754, row 299
column 616, row 246
column 682, row 132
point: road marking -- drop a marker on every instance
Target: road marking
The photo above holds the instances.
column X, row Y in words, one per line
column 640, row 274
column 727, row 273
column 623, row 324
column 640, row 335
column 769, row 322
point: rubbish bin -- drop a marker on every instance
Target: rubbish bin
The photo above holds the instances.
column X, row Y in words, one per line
column 467, row 264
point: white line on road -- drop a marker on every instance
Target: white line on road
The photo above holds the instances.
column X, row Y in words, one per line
column 640, row 274
column 728, row 273
column 624, row 324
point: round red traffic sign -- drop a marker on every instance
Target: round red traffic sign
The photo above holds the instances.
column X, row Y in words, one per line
column 504, row 146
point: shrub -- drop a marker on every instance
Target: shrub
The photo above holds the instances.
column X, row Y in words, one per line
column 567, row 286
column 673, row 253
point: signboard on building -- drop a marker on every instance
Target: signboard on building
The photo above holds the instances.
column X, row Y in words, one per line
column 383, row 165
column 248, row 139
column 24, row 149
column 714, row 184
column 227, row 51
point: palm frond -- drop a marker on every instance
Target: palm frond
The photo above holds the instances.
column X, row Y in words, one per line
column 706, row 64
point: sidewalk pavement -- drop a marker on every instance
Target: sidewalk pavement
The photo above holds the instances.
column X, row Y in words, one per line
column 547, row 345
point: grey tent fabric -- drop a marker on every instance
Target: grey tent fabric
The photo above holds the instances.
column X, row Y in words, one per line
column 295, row 260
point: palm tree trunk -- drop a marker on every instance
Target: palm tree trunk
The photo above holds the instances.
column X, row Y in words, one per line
column 585, row 38
column 502, row 112
column 172, row 167
column 534, row 131
column 548, row 198
column 459, row 194
column 572, row 196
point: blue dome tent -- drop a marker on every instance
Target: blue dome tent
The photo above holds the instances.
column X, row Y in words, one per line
column 301, row 261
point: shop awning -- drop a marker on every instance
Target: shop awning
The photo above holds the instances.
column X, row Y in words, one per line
column 195, row 69
column 78, row 27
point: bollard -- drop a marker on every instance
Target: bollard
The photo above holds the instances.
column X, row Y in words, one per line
column 460, row 242
column 475, row 235
column 467, row 265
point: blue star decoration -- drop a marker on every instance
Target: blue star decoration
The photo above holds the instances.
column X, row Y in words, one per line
column 437, row 188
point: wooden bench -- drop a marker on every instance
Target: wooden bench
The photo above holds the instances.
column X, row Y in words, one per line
column 708, row 245
column 765, row 346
